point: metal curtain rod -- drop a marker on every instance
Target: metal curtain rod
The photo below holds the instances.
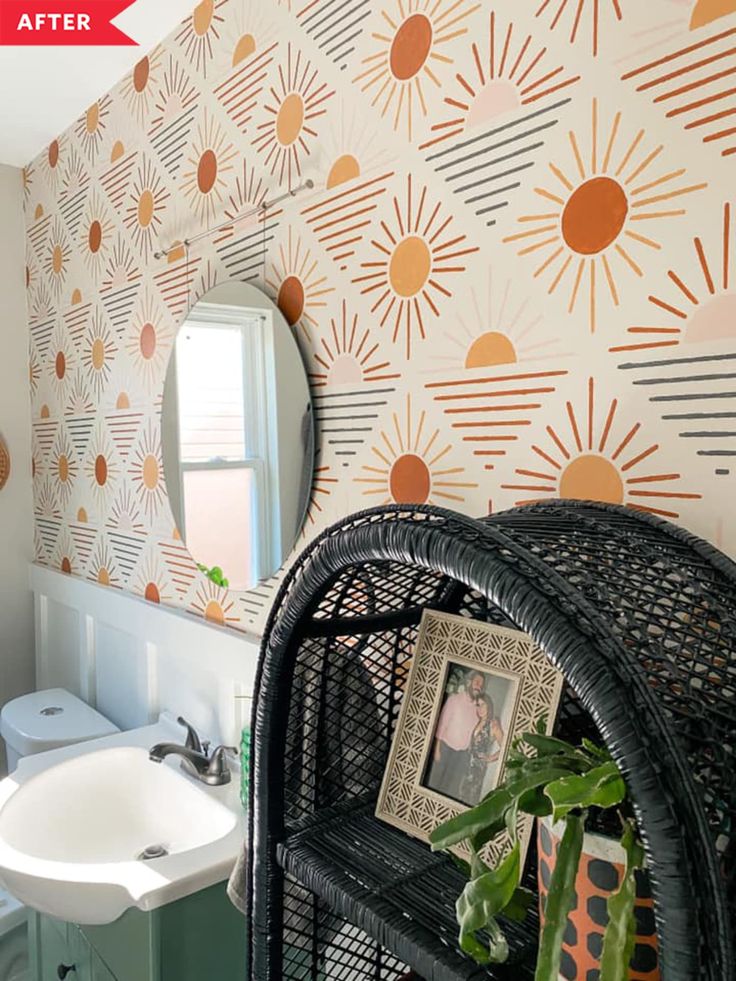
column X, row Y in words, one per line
column 264, row 206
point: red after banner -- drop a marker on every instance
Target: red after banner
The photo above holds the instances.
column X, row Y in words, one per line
column 62, row 22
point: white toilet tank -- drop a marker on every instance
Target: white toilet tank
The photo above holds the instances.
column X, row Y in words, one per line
column 47, row 720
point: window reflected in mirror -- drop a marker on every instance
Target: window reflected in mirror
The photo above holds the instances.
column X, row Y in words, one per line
column 237, row 436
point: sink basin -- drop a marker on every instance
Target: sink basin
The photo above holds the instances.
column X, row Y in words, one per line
column 93, row 830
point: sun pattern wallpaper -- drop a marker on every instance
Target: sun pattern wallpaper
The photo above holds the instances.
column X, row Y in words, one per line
column 514, row 278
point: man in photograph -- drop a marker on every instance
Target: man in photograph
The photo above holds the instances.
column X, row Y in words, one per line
column 451, row 750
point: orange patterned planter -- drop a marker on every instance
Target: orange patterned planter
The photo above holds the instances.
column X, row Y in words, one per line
column 601, row 867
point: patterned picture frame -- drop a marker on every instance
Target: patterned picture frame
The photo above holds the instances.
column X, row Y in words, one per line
column 533, row 688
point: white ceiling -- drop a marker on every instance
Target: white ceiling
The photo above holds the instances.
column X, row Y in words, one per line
column 43, row 90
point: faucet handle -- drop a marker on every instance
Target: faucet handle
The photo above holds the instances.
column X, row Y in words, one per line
column 193, row 740
column 218, row 763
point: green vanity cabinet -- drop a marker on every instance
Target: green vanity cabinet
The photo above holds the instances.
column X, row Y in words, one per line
column 196, row 938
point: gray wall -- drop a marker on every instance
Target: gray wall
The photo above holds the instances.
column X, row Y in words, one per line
column 17, row 672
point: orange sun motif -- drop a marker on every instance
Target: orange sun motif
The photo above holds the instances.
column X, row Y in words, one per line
column 412, row 466
column 593, row 215
column 147, row 202
column 506, row 75
column 415, row 250
column 599, row 460
column 151, row 581
column 297, row 101
column 146, row 471
column 61, row 362
column 139, row 87
column 148, row 341
column 410, row 49
column 322, row 486
column 214, row 604
column 701, row 304
column 52, row 160
column 198, row 32
column 96, row 234
column 101, row 468
column 580, row 11
column 299, row 288
column 210, row 159
column 348, row 357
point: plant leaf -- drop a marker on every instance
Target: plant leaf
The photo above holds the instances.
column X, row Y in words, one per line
column 518, row 906
column 620, row 935
column 482, row 899
column 601, row 787
column 490, row 812
column 560, row 899
column 535, row 802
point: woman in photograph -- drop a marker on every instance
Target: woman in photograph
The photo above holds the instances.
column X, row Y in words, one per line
column 485, row 748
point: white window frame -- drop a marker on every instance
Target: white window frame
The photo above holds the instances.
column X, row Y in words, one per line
column 259, row 413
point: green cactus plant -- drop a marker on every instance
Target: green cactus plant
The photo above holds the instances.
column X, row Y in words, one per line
column 544, row 776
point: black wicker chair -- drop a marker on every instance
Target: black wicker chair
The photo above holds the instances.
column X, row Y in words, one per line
column 640, row 617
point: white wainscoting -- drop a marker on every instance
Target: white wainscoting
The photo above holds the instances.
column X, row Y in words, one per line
column 131, row 659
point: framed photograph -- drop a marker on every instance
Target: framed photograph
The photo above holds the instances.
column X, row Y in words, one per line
column 472, row 689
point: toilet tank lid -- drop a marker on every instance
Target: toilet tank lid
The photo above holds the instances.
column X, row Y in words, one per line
column 46, row 720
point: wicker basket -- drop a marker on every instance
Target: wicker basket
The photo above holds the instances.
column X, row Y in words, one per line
column 4, row 463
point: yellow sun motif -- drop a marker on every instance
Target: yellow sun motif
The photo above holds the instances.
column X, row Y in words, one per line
column 57, row 257
column 351, row 150
column 576, row 14
column 410, row 46
column 90, row 129
column 96, row 234
column 103, row 568
column 199, row 32
column 146, row 471
column 214, row 604
column 295, row 103
column 148, row 341
column 175, row 94
column 506, row 329
column 411, row 465
column 508, row 72
column 146, row 204
column 248, row 32
column 209, row 160
column 298, row 287
column 599, row 459
column 140, row 86
column 63, row 466
column 98, row 353
column 414, row 250
column 700, row 306
column 349, row 356
column 592, row 215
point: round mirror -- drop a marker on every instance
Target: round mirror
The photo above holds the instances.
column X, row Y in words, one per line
column 237, row 435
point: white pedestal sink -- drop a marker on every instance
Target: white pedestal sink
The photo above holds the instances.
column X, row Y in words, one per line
column 75, row 825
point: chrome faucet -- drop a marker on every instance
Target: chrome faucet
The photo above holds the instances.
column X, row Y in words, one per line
column 196, row 759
